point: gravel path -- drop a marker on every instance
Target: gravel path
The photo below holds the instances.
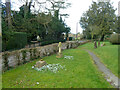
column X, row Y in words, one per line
column 109, row 76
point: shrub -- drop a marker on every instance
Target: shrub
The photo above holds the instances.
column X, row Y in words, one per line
column 17, row 41
column 115, row 39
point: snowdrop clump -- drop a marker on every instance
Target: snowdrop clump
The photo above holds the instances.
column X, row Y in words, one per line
column 33, row 67
column 37, row 82
column 50, row 67
column 68, row 57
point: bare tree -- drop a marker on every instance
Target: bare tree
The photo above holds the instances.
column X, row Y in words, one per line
column 27, row 6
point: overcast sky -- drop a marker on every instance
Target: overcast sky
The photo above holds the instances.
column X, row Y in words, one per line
column 75, row 11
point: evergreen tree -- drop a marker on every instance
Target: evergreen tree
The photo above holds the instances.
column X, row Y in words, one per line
column 99, row 20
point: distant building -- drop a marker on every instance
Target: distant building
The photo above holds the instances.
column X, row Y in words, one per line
column 73, row 35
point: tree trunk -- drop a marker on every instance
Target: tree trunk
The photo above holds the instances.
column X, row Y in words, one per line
column 102, row 38
column 0, row 31
column 66, row 34
column 98, row 43
column 8, row 13
column 29, row 6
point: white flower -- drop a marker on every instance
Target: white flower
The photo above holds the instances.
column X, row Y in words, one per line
column 108, row 80
column 68, row 57
column 51, row 67
column 32, row 66
column 47, row 66
column 37, row 82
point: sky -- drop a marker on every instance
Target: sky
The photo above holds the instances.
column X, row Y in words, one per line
column 78, row 7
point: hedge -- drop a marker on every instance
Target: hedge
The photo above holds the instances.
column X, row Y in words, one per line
column 17, row 41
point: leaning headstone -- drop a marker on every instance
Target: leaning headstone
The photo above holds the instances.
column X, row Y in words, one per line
column 59, row 55
column 40, row 63
column 95, row 44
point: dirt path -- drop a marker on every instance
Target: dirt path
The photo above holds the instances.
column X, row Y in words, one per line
column 109, row 76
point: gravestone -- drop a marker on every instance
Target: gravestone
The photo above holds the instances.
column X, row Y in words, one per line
column 59, row 55
column 38, row 39
column 95, row 44
column 40, row 63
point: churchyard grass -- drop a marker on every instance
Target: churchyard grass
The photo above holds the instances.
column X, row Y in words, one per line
column 80, row 73
column 108, row 55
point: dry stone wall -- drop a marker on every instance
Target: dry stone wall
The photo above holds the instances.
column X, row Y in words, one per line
column 18, row 57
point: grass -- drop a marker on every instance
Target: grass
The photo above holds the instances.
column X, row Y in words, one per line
column 80, row 73
column 108, row 55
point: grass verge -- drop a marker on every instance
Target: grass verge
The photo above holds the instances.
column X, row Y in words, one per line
column 80, row 73
column 108, row 55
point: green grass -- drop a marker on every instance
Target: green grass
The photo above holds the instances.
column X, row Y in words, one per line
column 80, row 73
column 108, row 55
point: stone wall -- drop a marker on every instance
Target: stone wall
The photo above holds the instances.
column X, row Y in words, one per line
column 18, row 57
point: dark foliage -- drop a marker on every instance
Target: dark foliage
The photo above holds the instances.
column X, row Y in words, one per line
column 17, row 40
column 28, row 23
